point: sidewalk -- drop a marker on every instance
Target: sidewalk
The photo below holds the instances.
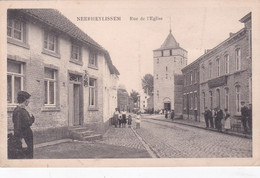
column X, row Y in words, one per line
column 116, row 143
column 193, row 123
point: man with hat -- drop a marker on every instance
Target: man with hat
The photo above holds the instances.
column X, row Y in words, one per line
column 22, row 123
column 244, row 114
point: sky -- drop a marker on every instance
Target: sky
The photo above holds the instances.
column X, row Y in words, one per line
column 131, row 43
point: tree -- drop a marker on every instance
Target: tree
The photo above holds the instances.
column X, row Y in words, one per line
column 147, row 84
column 134, row 94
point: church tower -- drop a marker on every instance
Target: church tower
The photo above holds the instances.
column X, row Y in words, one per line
column 168, row 61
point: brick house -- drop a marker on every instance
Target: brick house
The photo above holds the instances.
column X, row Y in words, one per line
column 168, row 60
column 71, row 78
column 191, row 91
column 226, row 72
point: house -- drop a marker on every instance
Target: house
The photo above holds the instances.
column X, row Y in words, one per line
column 226, row 72
column 71, row 78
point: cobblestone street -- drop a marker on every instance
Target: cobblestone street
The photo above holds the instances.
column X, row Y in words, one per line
column 163, row 139
column 170, row 140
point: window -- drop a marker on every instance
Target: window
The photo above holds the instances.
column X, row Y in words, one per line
column 166, row 76
column 195, row 100
column 92, row 92
column 184, row 101
column 218, row 67
column 210, row 70
column 50, row 41
column 250, row 89
column 226, row 60
column 191, row 78
column 162, row 53
column 158, row 93
column 237, row 99
column 218, row 98
column 170, row 52
column 157, row 60
column 191, row 102
column 156, row 76
column 166, row 68
column 226, row 98
column 76, row 53
column 93, row 59
column 15, row 29
column 15, row 80
column 195, row 77
column 50, row 86
column 238, row 59
column 204, row 99
column 211, row 99
column 184, row 80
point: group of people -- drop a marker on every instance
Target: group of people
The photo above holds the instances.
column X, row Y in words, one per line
column 218, row 119
column 169, row 114
column 120, row 119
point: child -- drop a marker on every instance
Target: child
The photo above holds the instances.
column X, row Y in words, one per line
column 129, row 121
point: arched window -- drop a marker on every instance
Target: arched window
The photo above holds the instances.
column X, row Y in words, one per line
column 238, row 59
column 237, row 98
column 226, row 98
column 166, row 68
column 226, row 61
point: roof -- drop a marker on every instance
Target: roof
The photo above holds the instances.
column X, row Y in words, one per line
column 246, row 18
column 169, row 43
column 58, row 21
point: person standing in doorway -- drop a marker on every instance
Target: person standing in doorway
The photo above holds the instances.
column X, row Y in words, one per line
column 23, row 121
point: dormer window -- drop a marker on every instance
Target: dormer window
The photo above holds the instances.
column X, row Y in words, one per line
column 15, row 29
column 93, row 59
column 50, row 41
column 76, row 52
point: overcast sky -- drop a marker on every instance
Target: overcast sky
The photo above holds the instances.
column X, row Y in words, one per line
column 194, row 28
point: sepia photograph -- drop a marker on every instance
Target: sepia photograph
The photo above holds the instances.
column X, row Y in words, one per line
column 128, row 82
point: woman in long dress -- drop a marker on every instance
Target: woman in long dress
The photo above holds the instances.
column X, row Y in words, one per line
column 23, row 120
column 227, row 123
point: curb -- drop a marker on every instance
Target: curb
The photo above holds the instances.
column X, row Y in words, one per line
column 213, row 130
column 55, row 142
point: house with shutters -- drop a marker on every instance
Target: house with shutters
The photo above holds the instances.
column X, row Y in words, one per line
column 71, row 78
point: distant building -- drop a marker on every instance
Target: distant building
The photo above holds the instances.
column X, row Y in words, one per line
column 191, row 91
column 122, row 98
column 168, row 60
column 71, row 78
column 226, row 72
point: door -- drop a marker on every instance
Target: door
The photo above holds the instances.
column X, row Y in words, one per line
column 76, row 104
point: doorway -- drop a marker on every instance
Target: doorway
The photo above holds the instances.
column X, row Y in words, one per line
column 75, row 95
column 167, row 106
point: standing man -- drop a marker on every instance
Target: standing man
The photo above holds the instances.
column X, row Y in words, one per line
column 250, row 117
column 219, row 117
column 210, row 118
column 206, row 117
column 172, row 114
column 244, row 114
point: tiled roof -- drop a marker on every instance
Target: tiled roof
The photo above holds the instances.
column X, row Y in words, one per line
column 58, row 21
